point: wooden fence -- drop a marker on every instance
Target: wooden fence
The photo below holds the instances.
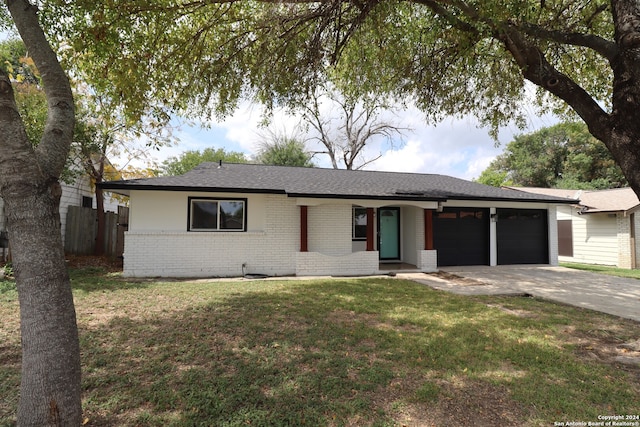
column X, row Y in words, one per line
column 82, row 228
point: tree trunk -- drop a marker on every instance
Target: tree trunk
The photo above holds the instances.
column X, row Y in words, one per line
column 622, row 138
column 50, row 383
column 50, row 390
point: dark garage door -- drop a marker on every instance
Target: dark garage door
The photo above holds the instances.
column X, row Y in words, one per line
column 461, row 236
column 522, row 236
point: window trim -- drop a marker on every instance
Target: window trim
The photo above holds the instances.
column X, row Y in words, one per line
column 353, row 224
column 218, row 200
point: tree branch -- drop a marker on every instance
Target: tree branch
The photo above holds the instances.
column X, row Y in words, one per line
column 53, row 149
column 604, row 47
column 539, row 71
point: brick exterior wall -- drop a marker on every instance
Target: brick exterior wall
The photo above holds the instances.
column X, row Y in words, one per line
column 624, row 241
column 317, row 264
column 428, row 261
column 553, row 236
column 330, row 229
column 192, row 254
column 163, row 247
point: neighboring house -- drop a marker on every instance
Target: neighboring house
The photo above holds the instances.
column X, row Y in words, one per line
column 600, row 229
column 231, row 219
column 79, row 193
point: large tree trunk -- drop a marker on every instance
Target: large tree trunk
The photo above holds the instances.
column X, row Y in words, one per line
column 50, row 391
column 623, row 136
column 50, row 383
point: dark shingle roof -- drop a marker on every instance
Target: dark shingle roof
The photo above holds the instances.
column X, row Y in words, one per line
column 325, row 183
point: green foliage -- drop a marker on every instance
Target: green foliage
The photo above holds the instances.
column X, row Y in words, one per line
column 30, row 98
column 605, row 269
column 192, row 158
column 5, row 20
column 7, row 283
column 16, row 62
column 494, row 178
column 560, row 156
column 285, row 152
column 7, row 286
column 448, row 57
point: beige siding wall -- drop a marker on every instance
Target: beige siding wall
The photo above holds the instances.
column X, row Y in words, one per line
column 595, row 238
column 636, row 217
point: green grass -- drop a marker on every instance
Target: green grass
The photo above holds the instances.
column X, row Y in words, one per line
column 374, row 352
column 604, row 269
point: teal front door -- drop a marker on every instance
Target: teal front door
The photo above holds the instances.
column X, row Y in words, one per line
column 389, row 233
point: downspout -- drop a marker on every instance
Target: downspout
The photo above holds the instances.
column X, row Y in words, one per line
column 632, row 238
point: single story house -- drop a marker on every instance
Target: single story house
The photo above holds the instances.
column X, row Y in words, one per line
column 600, row 229
column 232, row 219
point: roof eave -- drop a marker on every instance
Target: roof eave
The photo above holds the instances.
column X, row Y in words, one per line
column 367, row 197
column 115, row 187
column 512, row 199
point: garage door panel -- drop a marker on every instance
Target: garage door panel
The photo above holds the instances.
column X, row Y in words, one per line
column 461, row 236
column 522, row 236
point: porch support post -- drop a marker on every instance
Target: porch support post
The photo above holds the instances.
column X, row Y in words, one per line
column 370, row 229
column 304, row 247
column 428, row 229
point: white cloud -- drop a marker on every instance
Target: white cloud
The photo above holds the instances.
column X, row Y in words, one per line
column 455, row 147
column 245, row 128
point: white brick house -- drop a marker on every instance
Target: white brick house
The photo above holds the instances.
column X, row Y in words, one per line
column 234, row 219
column 601, row 229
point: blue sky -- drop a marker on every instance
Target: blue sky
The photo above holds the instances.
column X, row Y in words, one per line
column 455, row 147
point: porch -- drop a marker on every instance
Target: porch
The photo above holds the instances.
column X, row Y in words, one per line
column 396, row 267
column 358, row 263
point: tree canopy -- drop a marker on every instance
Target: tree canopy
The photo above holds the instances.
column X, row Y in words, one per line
column 283, row 150
column 192, row 158
column 560, row 156
column 447, row 57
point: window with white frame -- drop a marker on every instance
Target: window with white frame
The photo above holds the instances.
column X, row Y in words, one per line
column 359, row 223
column 208, row 214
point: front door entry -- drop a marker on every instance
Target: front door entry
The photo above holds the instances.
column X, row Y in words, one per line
column 389, row 233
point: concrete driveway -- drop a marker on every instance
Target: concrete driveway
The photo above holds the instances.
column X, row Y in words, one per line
column 608, row 294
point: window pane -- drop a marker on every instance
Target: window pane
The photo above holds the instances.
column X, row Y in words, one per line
column 360, row 223
column 447, row 215
column 471, row 214
column 204, row 215
column 232, row 215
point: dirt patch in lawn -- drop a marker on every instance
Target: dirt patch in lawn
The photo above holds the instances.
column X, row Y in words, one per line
column 607, row 346
column 109, row 264
column 459, row 403
column 458, row 280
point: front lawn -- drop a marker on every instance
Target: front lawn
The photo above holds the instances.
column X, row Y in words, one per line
column 604, row 269
column 372, row 352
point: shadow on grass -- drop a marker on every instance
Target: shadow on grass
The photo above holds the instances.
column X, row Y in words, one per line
column 92, row 279
column 340, row 352
column 352, row 352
